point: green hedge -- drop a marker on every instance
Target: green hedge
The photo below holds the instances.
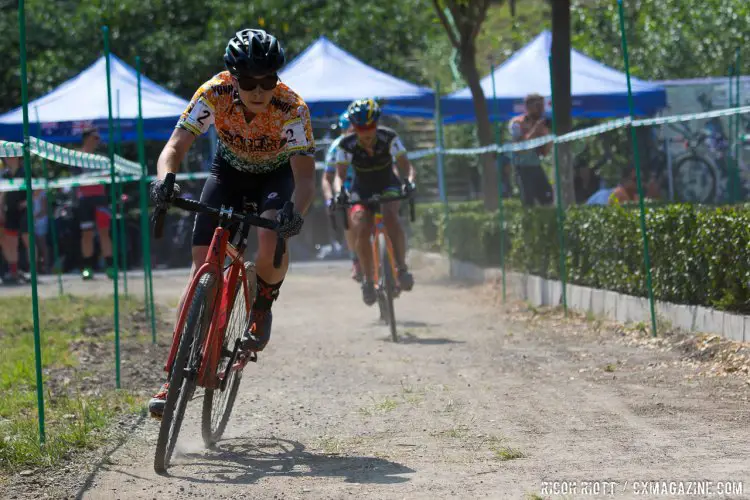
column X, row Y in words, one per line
column 699, row 255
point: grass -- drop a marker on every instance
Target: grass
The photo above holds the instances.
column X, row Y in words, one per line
column 73, row 421
column 337, row 446
column 411, row 395
column 454, row 433
column 504, row 453
column 450, row 406
column 331, row 445
column 387, row 405
column 413, row 399
column 641, row 327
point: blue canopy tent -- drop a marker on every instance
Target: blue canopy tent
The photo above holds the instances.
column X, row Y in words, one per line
column 82, row 101
column 328, row 78
column 597, row 90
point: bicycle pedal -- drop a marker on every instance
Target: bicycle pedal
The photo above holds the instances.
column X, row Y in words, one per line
column 244, row 358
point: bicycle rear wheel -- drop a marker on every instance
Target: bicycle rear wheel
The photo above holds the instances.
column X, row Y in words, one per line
column 184, row 370
column 218, row 403
column 386, row 286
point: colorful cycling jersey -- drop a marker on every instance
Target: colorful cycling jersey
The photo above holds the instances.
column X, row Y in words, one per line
column 331, row 155
column 266, row 142
column 331, row 163
column 387, row 149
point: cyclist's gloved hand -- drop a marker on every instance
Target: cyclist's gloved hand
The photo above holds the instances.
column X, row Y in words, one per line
column 159, row 194
column 341, row 198
column 289, row 227
column 409, row 187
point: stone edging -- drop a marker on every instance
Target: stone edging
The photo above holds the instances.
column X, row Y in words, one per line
column 604, row 303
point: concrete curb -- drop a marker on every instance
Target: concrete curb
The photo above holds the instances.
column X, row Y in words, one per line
column 604, row 303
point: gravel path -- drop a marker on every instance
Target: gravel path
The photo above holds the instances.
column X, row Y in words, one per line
column 473, row 403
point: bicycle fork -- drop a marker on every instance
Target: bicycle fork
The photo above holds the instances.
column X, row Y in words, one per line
column 380, row 228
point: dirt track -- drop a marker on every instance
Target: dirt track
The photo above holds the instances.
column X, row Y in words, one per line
column 470, row 404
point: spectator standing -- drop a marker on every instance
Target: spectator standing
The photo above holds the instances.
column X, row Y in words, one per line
column 94, row 214
column 13, row 219
column 530, row 176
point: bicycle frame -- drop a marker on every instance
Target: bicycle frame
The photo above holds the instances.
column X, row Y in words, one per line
column 379, row 227
column 219, row 249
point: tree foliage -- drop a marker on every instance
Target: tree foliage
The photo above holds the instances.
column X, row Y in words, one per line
column 181, row 42
column 462, row 21
column 667, row 39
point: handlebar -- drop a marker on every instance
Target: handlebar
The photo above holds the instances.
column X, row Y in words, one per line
column 196, row 206
column 374, row 202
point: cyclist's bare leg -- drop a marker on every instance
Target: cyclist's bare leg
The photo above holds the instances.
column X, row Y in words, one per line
column 395, row 231
column 25, row 239
column 269, row 284
column 266, row 249
column 105, row 241
column 351, row 240
column 10, row 249
column 361, row 229
column 87, row 244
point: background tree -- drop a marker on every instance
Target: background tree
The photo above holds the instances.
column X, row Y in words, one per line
column 667, row 39
column 561, row 83
column 462, row 21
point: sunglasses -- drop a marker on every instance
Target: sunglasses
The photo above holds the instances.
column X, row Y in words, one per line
column 249, row 84
column 365, row 128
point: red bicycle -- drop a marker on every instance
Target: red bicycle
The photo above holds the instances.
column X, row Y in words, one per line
column 214, row 316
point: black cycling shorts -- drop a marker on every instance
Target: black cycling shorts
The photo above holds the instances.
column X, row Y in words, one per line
column 228, row 186
column 15, row 212
column 94, row 211
column 368, row 184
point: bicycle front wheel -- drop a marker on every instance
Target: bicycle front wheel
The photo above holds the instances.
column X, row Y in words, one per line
column 695, row 180
column 218, row 403
column 182, row 377
column 386, row 285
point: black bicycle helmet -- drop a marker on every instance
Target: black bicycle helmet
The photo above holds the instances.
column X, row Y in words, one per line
column 253, row 52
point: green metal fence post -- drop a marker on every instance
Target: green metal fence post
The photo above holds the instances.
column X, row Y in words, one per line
column 737, row 120
column 634, row 138
column 121, row 208
column 500, row 202
column 441, row 176
column 57, row 265
column 732, row 159
column 113, row 196
column 558, row 190
column 30, row 222
column 145, row 234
